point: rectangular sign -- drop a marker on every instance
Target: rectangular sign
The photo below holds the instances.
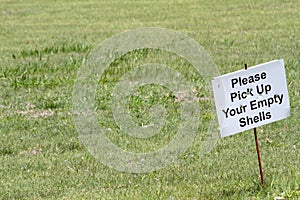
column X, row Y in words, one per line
column 246, row 99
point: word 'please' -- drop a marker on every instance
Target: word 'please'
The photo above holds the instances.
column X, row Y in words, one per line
column 240, row 81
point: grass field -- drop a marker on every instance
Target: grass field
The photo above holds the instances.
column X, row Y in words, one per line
column 44, row 43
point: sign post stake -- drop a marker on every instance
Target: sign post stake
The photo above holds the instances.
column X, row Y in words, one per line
column 257, row 150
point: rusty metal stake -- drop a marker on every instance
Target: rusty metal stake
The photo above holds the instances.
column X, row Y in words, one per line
column 258, row 152
column 258, row 157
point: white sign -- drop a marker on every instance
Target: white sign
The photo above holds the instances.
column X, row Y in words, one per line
column 246, row 99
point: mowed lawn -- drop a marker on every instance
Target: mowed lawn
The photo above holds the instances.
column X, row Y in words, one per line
column 43, row 45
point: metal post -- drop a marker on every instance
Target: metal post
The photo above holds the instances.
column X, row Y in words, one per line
column 258, row 152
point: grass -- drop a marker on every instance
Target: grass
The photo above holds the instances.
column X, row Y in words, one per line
column 43, row 45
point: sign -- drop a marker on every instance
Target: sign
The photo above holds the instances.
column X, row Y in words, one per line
column 246, row 99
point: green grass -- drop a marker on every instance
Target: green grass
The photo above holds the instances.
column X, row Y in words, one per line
column 44, row 43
